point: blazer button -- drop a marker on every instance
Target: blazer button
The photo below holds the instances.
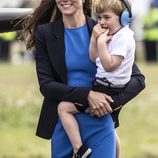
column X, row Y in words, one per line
column 79, row 104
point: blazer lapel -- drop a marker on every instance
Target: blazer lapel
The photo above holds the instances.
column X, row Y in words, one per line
column 56, row 49
column 90, row 24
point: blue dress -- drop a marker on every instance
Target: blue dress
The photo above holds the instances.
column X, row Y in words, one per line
column 96, row 133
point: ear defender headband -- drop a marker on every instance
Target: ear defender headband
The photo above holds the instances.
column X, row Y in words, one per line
column 126, row 15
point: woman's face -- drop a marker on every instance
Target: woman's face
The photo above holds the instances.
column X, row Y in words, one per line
column 70, row 7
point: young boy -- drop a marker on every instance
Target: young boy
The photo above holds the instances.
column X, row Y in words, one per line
column 112, row 47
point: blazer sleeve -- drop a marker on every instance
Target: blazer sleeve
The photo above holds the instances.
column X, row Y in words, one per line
column 50, row 85
column 132, row 89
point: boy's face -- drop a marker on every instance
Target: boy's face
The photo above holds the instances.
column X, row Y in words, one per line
column 109, row 20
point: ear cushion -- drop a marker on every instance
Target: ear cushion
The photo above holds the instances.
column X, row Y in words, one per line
column 124, row 18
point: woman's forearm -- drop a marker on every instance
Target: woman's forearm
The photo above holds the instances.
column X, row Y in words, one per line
column 132, row 89
column 62, row 92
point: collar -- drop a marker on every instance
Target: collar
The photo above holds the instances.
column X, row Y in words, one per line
column 58, row 26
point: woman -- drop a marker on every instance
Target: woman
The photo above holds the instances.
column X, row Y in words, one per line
column 65, row 73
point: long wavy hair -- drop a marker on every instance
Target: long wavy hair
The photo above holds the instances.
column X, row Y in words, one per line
column 46, row 12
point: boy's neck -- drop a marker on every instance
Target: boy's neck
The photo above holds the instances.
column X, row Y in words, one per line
column 117, row 30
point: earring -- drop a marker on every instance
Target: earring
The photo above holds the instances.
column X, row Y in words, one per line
column 83, row 1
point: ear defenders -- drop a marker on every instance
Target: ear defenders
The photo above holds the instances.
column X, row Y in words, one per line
column 126, row 15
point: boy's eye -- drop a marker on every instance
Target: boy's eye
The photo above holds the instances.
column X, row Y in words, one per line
column 106, row 17
column 98, row 17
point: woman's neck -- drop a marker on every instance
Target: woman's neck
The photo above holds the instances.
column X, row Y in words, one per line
column 74, row 21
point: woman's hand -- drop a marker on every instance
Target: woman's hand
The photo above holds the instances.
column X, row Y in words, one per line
column 99, row 103
column 96, row 112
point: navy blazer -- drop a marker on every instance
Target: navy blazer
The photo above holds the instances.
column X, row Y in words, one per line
column 51, row 72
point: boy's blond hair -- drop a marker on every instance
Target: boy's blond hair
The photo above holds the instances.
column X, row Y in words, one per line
column 100, row 6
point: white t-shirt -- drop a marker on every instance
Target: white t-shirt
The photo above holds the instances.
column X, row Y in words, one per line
column 122, row 43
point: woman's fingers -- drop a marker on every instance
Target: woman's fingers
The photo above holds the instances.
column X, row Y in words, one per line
column 97, row 100
column 105, row 111
column 99, row 103
column 107, row 103
column 97, row 112
column 108, row 98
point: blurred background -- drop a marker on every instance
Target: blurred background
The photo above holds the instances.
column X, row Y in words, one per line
column 20, row 100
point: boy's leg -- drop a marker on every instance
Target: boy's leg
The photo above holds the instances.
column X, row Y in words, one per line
column 118, row 146
column 66, row 111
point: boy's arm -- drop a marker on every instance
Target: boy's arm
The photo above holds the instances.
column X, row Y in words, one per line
column 93, row 52
column 108, row 61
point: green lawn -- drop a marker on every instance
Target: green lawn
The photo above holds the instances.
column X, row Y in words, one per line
column 20, row 103
column 139, row 127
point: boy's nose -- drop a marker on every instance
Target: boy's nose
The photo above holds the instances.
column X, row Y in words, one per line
column 102, row 21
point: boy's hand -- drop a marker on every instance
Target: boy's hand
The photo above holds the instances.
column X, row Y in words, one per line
column 97, row 31
column 104, row 37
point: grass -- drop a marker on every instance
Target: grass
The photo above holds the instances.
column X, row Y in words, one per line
column 20, row 103
column 139, row 128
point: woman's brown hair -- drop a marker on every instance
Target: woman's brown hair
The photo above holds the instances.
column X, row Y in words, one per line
column 46, row 12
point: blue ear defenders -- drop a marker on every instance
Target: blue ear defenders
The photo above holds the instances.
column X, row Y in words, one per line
column 126, row 15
